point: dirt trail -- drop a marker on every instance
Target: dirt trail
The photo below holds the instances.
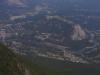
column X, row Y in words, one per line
column 27, row 72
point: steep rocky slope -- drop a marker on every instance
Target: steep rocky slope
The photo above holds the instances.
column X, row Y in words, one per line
column 10, row 64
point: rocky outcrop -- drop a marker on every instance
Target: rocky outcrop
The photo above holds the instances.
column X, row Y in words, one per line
column 78, row 33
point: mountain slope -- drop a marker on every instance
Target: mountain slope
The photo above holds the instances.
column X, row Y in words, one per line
column 9, row 63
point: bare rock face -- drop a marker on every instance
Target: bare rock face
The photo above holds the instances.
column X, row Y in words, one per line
column 21, row 3
column 78, row 33
column 16, row 3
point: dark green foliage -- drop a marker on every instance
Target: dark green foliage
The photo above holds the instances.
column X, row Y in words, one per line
column 42, row 66
column 45, row 66
column 8, row 62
